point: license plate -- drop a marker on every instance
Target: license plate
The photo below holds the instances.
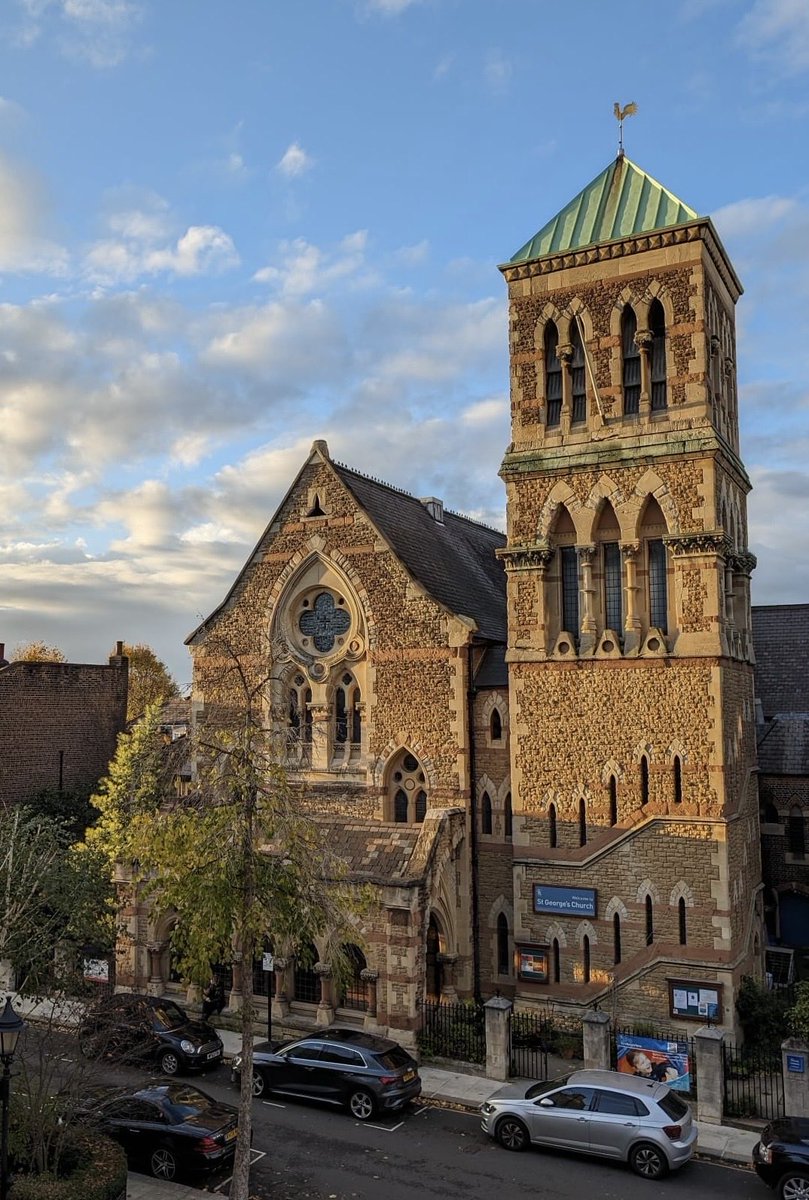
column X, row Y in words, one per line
column 231, row 1134
column 408, row 1075
column 213, row 1054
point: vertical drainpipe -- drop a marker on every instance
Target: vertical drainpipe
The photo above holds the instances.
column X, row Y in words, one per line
column 473, row 817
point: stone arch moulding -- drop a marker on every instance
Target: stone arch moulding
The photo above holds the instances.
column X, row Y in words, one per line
column 626, row 296
column 616, row 905
column 549, row 313
column 402, row 741
column 502, row 905
column 648, row 888
column 611, row 768
column 561, row 495
column 441, row 910
column 586, row 929
column 485, row 784
column 681, row 891
column 335, row 570
column 676, row 749
column 555, row 930
column 655, row 290
column 579, row 312
column 650, row 485
column 496, row 700
column 502, row 792
column 641, row 749
column 604, row 489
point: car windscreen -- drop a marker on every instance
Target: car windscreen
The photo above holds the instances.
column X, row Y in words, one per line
column 182, row 1103
column 547, row 1085
column 394, row 1059
column 673, row 1106
column 168, row 1016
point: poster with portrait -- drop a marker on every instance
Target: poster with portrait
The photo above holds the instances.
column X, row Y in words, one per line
column 655, row 1058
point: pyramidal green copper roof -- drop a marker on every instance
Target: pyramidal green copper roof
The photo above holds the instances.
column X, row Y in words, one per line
column 620, row 202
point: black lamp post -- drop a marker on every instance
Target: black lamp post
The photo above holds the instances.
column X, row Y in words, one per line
column 11, row 1026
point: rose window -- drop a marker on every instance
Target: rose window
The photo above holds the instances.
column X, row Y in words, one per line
column 324, row 622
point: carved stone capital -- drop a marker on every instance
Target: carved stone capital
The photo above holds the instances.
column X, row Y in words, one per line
column 525, row 558
column 157, row 947
column 643, row 339
column 369, row 976
column 564, row 352
column 323, row 969
column 714, row 541
column 279, row 963
column 630, row 551
column 715, row 345
column 586, row 554
column 743, row 563
column 448, row 960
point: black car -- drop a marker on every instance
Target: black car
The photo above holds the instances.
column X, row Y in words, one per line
column 166, row 1128
column 148, row 1029
column 781, row 1158
column 338, row 1066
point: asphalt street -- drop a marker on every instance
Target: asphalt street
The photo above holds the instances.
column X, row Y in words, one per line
column 308, row 1152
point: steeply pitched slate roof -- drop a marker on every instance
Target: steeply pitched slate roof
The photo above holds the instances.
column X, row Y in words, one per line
column 454, row 561
column 493, row 669
column 622, row 201
column 373, row 850
column 781, row 643
column 783, row 748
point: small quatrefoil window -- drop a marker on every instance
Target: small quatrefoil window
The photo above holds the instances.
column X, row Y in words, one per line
column 324, row 622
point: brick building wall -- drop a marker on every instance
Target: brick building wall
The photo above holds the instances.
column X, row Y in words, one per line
column 58, row 724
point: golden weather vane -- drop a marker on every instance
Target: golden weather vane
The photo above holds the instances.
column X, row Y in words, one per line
column 628, row 110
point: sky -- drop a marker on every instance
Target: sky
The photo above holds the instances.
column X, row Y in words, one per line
column 230, row 227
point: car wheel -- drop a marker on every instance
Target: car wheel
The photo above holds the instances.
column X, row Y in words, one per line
column 259, row 1084
column 361, row 1105
column 169, row 1062
column 647, row 1160
column 511, row 1134
column 794, row 1186
column 163, row 1164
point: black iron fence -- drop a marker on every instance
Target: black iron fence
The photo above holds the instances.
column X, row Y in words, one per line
column 662, row 1054
column 753, row 1083
column 454, row 1031
column 531, row 1037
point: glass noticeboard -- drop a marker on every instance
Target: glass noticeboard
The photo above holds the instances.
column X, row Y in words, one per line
column 695, row 1000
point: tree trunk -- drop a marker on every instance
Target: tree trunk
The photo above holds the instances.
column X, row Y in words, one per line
column 240, row 1184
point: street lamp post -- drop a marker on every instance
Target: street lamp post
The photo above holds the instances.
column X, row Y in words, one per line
column 11, row 1026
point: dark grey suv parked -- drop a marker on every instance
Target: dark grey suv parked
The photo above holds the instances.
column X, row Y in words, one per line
column 338, row 1066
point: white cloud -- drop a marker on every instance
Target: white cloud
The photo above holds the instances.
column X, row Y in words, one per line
column 754, row 215
column 95, row 31
column 202, row 249
column 294, row 161
column 497, row 71
column 24, row 244
column 389, row 8
column 306, row 268
column 779, row 28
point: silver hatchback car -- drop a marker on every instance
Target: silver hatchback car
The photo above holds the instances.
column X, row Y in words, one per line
column 604, row 1113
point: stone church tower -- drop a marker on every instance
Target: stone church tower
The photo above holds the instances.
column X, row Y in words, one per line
column 636, row 855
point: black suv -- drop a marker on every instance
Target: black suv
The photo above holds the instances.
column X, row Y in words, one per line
column 781, row 1158
column 338, row 1066
column 148, row 1029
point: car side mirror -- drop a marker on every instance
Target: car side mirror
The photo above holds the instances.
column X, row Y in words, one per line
column 546, row 1103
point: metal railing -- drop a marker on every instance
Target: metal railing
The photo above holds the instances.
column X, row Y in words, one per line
column 453, row 1031
column 753, row 1083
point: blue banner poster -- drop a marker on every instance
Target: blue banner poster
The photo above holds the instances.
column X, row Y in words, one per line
column 655, row 1058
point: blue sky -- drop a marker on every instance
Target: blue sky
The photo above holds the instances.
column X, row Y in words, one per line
column 230, row 228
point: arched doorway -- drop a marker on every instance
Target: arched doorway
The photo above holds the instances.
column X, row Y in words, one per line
column 434, row 979
column 355, row 989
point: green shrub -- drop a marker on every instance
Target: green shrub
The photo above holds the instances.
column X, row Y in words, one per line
column 762, row 1014
column 92, row 1167
column 798, row 1015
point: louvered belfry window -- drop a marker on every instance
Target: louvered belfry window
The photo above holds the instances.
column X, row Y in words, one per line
column 631, row 362
column 657, row 356
column 577, row 379
column 553, row 375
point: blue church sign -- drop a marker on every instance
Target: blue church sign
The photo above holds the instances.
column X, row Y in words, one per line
column 571, row 902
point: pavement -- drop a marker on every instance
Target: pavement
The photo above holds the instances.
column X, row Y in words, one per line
column 720, row 1143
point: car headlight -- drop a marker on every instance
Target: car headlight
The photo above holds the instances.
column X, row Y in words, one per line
column 188, row 1047
column 487, row 1108
column 766, row 1154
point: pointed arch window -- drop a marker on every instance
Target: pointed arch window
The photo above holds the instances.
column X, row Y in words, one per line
column 347, row 721
column 657, row 356
column 552, row 829
column 400, row 807
column 299, row 713
column 682, row 922
column 496, row 726
column 796, row 833
column 407, row 790
column 421, row 807
column 503, row 956
column 613, row 800
column 486, row 813
column 644, row 779
column 553, row 375
column 570, row 590
column 678, row 780
column 582, row 823
column 650, row 920
column 577, row 377
column 585, row 959
column 630, row 356
column 508, row 819
column 556, row 961
column 658, row 584
column 613, row 587
column 616, row 937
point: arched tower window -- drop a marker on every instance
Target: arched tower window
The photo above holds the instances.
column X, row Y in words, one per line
column 508, row 818
column 577, row 377
column 486, row 813
column 582, row 823
column 652, row 531
column 495, row 726
column 585, row 959
column 556, row 961
column 630, row 355
column 300, row 713
column 347, row 721
column 644, row 779
column 796, row 833
column 407, row 789
column 657, row 356
column 553, row 376
column 613, row 800
column 569, row 564
column 650, row 920
column 681, row 922
column 678, row 780
column 552, row 830
column 503, row 956
column 616, row 937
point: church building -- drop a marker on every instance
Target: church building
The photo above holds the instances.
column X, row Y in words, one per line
column 537, row 749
